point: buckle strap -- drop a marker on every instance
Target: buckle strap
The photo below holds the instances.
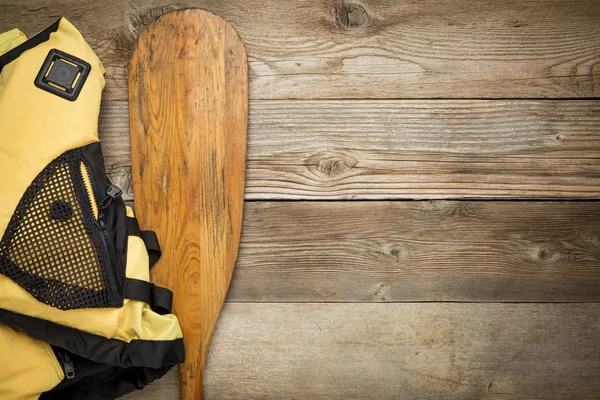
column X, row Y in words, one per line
column 160, row 299
column 149, row 238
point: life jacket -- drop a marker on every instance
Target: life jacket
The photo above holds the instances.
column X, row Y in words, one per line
column 79, row 318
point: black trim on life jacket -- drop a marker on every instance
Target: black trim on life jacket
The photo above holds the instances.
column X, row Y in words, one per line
column 137, row 353
column 41, row 37
column 95, row 381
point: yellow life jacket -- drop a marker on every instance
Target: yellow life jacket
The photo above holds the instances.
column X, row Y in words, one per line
column 78, row 316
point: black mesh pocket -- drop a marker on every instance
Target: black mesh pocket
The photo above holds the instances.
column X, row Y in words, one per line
column 53, row 245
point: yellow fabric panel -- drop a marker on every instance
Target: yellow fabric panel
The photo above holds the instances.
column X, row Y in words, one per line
column 37, row 126
column 10, row 40
column 136, row 249
column 99, row 321
column 28, row 367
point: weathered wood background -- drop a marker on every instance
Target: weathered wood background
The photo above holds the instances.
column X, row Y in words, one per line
column 487, row 112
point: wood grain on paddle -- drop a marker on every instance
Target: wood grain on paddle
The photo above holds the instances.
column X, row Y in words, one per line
column 309, row 49
column 188, row 95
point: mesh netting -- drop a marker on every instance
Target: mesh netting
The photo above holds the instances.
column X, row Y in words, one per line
column 48, row 247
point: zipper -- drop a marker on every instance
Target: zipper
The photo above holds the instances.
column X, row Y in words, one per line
column 67, row 364
column 112, row 193
column 99, row 219
column 87, row 185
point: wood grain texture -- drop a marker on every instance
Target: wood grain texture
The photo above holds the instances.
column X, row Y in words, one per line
column 401, row 351
column 412, row 149
column 366, row 48
column 418, row 251
column 189, row 113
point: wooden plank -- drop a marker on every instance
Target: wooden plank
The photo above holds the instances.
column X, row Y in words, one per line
column 418, row 251
column 401, row 351
column 411, row 149
column 369, row 48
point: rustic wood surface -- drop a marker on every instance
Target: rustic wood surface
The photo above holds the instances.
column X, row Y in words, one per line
column 366, row 48
column 405, row 149
column 395, row 100
column 188, row 88
column 401, row 351
column 418, row 251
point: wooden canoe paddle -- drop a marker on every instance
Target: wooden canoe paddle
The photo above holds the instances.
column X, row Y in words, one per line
column 188, row 99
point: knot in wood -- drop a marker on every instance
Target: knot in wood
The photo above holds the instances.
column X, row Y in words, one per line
column 544, row 255
column 332, row 165
column 352, row 16
column 548, row 255
column 396, row 255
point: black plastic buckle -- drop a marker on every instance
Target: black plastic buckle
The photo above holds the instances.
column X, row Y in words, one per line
column 114, row 191
column 63, row 75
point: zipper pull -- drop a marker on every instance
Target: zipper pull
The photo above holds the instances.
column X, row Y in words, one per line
column 69, row 367
column 101, row 224
column 112, row 193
